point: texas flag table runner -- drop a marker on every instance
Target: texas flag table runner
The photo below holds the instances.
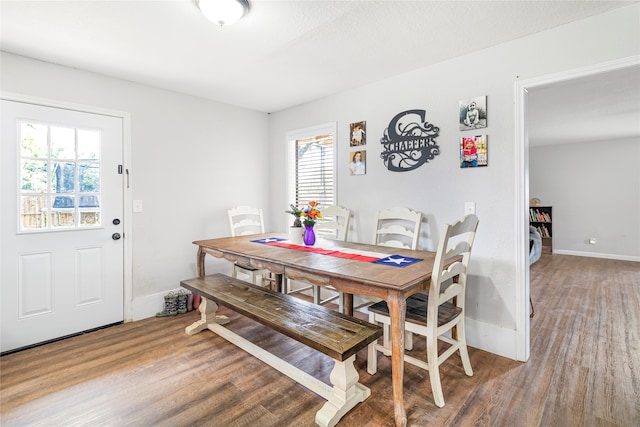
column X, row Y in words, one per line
column 392, row 260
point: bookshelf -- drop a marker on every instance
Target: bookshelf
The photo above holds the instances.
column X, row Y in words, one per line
column 541, row 218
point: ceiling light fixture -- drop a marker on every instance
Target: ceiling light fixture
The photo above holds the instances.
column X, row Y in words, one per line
column 224, row 12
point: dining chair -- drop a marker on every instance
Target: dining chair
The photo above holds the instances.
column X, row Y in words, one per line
column 333, row 225
column 396, row 227
column 245, row 220
column 438, row 312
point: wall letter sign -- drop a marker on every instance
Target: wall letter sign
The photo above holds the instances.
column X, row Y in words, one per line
column 409, row 141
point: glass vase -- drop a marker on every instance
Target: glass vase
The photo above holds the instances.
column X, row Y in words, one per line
column 309, row 235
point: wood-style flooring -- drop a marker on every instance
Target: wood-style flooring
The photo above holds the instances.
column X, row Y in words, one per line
column 584, row 370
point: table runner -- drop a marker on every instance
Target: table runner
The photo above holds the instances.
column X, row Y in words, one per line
column 365, row 256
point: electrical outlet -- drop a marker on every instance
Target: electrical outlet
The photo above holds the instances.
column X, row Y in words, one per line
column 592, row 241
column 137, row 206
column 469, row 208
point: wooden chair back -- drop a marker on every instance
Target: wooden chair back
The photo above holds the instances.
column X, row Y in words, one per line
column 245, row 220
column 456, row 241
column 398, row 227
column 334, row 223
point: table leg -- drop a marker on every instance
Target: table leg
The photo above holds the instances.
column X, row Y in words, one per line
column 348, row 304
column 280, row 284
column 197, row 299
column 397, row 309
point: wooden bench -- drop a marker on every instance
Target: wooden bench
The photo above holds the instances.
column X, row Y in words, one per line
column 334, row 334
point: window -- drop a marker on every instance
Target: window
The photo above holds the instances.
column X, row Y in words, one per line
column 59, row 177
column 312, row 166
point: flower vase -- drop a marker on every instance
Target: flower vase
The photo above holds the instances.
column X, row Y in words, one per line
column 295, row 235
column 309, row 235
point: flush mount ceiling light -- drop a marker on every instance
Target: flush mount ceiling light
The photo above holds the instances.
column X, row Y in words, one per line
column 223, row 12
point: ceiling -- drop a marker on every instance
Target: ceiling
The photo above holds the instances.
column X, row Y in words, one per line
column 599, row 107
column 286, row 53
column 283, row 53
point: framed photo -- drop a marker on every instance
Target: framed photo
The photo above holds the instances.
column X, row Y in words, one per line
column 473, row 113
column 473, row 151
column 357, row 133
column 358, row 162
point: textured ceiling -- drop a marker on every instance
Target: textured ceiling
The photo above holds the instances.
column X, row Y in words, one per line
column 282, row 54
column 600, row 107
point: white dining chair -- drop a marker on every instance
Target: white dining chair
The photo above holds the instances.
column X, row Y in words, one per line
column 245, row 220
column 435, row 313
column 333, row 225
column 396, row 227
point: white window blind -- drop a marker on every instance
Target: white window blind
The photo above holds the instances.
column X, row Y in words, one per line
column 314, row 174
column 311, row 164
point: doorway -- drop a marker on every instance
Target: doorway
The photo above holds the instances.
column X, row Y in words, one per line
column 522, row 89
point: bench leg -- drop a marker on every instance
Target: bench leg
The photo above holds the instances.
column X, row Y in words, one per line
column 208, row 316
column 347, row 393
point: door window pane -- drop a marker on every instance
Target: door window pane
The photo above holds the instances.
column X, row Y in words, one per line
column 32, row 212
column 63, row 143
column 34, row 176
column 63, row 177
column 63, row 212
column 88, row 145
column 33, row 141
column 89, row 177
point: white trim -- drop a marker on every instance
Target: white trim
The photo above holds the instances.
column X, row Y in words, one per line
column 522, row 186
column 597, row 255
column 127, row 192
column 522, row 331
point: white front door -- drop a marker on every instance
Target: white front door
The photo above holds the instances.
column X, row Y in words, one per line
column 61, row 215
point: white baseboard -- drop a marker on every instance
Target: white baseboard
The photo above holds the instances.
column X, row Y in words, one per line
column 597, row 255
column 148, row 305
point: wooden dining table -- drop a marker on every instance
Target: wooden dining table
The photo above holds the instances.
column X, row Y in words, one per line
column 387, row 280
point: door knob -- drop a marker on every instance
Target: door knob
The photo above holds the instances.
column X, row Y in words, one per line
column 115, row 236
column 116, row 221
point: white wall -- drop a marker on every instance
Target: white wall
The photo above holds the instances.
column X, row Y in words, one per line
column 594, row 189
column 440, row 188
column 187, row 153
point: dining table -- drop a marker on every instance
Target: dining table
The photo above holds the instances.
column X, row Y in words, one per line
column 392, row 274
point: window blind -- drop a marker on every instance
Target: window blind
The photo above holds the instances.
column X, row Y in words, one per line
column 314, row 175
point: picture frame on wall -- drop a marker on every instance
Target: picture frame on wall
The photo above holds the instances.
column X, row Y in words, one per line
column 358, row 162
column 473, row 113
column 473, row 151
column 357, row 133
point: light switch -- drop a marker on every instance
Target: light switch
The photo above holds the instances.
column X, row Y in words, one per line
column 137, row 206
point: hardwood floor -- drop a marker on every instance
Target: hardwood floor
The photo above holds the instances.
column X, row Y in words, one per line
column 584, row 370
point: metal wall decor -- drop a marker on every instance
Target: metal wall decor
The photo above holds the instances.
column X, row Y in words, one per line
column 409, row 141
